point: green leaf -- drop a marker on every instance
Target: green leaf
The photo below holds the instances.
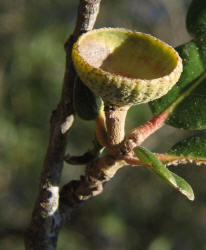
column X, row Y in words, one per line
column 192, row 148
column 87, row 105
column 158, row 168
column 187, row 99
column 196, row 17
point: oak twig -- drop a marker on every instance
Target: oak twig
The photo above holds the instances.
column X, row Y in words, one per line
column 53, row 207
column 137, row 136
column 47, row 219
column 119, row 152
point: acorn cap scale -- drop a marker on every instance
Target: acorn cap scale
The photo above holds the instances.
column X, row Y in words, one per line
column 125, row 67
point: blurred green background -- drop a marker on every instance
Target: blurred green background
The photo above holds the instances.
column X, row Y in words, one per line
column 136, row 209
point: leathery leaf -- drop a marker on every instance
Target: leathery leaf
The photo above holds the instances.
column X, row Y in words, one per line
column 158, row 168
column 187, row 99
column 191, row 149
column 196, row 17
column 87, row 105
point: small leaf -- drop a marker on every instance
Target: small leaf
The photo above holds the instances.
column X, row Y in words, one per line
column 183, row 187
column 87, row 105
column 187, row 99
column 158, row 168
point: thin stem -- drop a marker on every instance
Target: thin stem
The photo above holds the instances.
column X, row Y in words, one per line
column 88, row 11
column 115, row 121
column 138, row 135
column 87, row 157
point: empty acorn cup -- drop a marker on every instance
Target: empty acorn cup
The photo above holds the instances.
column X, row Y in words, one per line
column 126, row 67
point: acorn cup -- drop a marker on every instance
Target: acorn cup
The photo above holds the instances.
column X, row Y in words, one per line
column 124, row 68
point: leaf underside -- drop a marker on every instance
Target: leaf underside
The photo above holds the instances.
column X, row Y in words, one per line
column 188, row 97
column 192, row 150
column 158, row 168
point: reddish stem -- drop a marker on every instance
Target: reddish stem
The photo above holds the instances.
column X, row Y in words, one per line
column 134, row 161
column 138, row 135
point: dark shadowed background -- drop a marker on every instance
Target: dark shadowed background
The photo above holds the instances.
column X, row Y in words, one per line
column 136, row 210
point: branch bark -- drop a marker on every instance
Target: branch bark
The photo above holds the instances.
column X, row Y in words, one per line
column 47, row 219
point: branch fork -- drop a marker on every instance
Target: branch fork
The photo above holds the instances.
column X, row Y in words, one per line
column 118, row 153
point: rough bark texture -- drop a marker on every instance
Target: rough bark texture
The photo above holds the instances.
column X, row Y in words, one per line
column 47, row 218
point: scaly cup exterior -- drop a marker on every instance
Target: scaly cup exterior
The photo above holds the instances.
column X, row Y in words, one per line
column 125, row 67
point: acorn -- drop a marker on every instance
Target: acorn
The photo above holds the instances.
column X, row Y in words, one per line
column 124, row 68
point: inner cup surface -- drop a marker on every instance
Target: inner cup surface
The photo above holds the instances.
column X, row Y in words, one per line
column 130, row 54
